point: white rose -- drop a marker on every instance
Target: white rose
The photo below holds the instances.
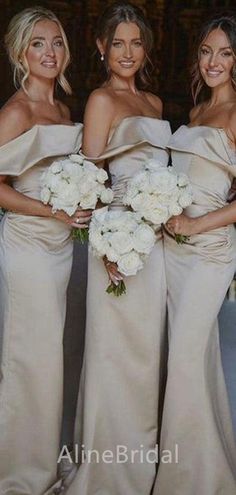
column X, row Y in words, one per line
column 77, row 159
column 121, row 242
column 97, row 242
column 112, row 254
column 175, row 209
column 56, row 167
column 183, row 180
column 185, row 199
column 45, row 195
column 157, row 216
column 88, row 201
column 163, row 181
column 101, row 175
column 140, row 202
column 71, row 170
column 140, row 181
column 106, row 195
column 89, row 166
column 87, row 185
column 144, row 239
column 154, row 165
column 130, row 263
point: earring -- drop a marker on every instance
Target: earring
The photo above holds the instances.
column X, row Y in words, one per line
column 102, row 57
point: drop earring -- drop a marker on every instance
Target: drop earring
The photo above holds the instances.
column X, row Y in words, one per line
column 102, row 57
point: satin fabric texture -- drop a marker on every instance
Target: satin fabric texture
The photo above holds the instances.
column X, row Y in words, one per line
column 35, row 265
column 123, row 365
column 196, row 414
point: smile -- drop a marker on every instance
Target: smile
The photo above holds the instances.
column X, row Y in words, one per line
column 213, row 73
column 49, row 65
column 127, row 65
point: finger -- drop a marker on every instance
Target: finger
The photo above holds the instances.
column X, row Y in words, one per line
column 79, row 225
column 83, row 213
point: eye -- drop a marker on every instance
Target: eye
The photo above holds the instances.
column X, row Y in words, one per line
column 37, row 44
column 204, row 51
column 226, row 54
column 116, row 44
column 59, row 43
column 138, row 43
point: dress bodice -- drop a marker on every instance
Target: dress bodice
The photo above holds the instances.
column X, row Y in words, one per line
column 204, row 154
column 24, row 159
column 132, row 142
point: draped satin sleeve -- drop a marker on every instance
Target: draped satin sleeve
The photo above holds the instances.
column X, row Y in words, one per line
column 38, row 143
column 133, row 132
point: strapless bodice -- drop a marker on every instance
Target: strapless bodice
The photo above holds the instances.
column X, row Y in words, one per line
column 204, row 154
column 24, row 159
column 132, row 142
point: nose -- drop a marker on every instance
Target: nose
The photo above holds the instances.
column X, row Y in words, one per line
column 128, row 51
column 50, row 51
column 213, row 60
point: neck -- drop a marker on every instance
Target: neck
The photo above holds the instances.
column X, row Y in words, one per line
column 41, row 90
column 222, row 94
column 118, row 83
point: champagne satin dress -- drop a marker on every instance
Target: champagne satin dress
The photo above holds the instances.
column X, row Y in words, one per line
column 125, row 336
column 35, row 265
column 196, row 412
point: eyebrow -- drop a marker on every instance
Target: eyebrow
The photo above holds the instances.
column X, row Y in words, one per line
column 121, row 39
column 224, row 48
column 43, row 38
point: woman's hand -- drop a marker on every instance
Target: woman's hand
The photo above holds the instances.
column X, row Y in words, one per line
column 113, row 273
column 181, row 224
column 79, row 219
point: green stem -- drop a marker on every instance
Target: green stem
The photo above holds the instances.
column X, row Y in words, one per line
column 81, row 235
column 117, row 290
column 181, row 239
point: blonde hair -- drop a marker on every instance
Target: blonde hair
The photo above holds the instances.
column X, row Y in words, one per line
column 17, row 41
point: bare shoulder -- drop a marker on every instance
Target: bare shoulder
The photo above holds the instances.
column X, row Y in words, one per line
column 100, row 104
column 155, row 102
column 101, row 97
column 99, row 116
column 15, row 118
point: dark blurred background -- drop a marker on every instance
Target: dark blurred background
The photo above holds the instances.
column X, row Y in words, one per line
column 175, row 25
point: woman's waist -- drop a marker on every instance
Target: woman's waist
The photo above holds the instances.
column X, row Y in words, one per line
column 29, row 226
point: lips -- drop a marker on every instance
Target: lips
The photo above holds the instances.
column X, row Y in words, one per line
column 49, row 65
column 127, row 65
column 213, row 73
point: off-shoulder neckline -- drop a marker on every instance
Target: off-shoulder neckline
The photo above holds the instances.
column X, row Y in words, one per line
column 25, row 133
column 214, row 128
column 129, row 117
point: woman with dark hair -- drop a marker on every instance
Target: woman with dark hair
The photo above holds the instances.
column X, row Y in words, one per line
column 196, row 413
column 35, row 254
column 122, row 374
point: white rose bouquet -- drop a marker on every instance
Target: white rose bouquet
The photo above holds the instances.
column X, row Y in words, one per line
column 123, row 238
column 74, row 182
column 158, row 193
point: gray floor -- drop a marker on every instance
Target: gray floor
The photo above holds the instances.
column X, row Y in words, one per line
column 74, row 340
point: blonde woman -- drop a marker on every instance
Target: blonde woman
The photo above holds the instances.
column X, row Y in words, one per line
column 35, row 254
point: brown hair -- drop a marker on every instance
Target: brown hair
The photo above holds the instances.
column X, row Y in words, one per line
column 126, row 12
column 228, row 24
column 17, row 41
